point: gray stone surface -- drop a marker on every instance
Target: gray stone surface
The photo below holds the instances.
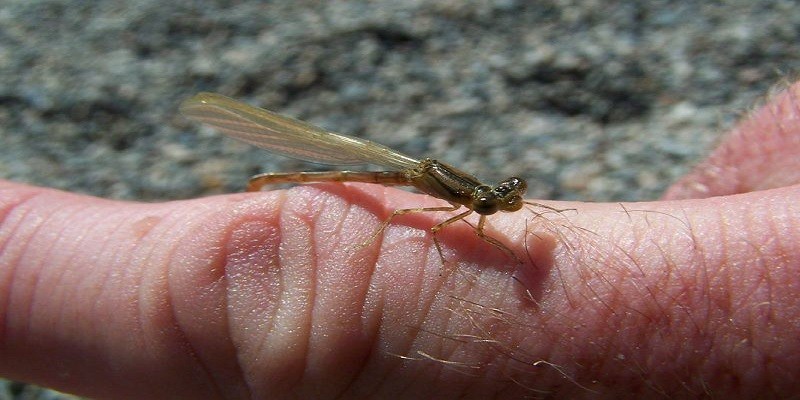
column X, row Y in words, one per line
column 589, row 100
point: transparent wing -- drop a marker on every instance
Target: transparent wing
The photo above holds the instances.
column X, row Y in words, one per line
column 288, row 136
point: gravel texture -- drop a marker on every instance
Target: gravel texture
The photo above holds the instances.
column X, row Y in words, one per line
column 588, row 100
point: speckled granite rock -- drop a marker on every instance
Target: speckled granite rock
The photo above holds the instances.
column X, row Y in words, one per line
column 588, row 100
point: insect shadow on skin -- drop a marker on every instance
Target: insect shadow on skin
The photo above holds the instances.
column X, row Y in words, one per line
column 438, row 230
column 459, row 238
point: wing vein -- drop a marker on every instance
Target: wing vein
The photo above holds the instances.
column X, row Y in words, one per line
column 288, row 136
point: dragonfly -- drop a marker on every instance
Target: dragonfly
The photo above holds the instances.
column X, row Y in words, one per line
column 301, row 140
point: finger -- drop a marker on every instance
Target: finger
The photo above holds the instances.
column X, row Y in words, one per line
column 206, row 298
column 258, row 295
column 87, row 305
column 667, row 298
column 762, row 152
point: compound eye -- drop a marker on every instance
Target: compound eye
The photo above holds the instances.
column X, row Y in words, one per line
column 485, row 206
column 513, row 203
column 485, row 201
column 514, row 183
column 509, row 193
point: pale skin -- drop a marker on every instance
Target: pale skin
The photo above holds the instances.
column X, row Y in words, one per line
column 264, row 295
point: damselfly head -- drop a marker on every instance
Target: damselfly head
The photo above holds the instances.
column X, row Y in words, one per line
column 506, row 196
column 510, row 193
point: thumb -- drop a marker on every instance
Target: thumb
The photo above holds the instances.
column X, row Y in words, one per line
column 760, row 153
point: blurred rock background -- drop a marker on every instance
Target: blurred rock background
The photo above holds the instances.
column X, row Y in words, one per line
column 588, row 100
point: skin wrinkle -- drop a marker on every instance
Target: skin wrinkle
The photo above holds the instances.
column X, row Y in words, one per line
column 426, row 308
column 749, row 341
column 327, row 237
column 39, row 224
column 592, row 280
column 323, row 237
column 471, row 316
column 736, row 322
column 272, row 318
column 723, row 303
column 29, row 239
column 562, row 280
column 144, row 225
column 782, row 228
column 765, row 281
column 503, row 348
column 181, row 336
column 700, row 256
column 71, row 260
column 81, row 239
column 142, row 293
column 311, row 251
column 633, row 265
column 661, row 288
column 230, row 320
column 378, row 306
column 382, row 319
column 112, row 276
column 674, row 301
column 229, row 258
column 661, row 309
column 191, row 350
column 291, row 292
column 462, row 348
column 59, row 272
column 511, row 347
column 782, row 247
column 141, row 286
column 428, row 298
column 8, row 212
column 372, row 334
column 73, row 252
column 578, row 260
column 375, row 335
column 399, row 367
column 668, row 277
column 281, row 203
column 268, row 332
column 704, row 331
column 439, row 293
column 371, row 329
column 620, row 270
column 278, row 311
column 203, row 229
column 744, row 246
column 448, row 349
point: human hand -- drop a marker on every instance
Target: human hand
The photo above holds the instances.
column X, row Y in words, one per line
column 270, row 295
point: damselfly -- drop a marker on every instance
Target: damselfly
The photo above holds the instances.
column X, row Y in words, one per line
column 301, row 140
